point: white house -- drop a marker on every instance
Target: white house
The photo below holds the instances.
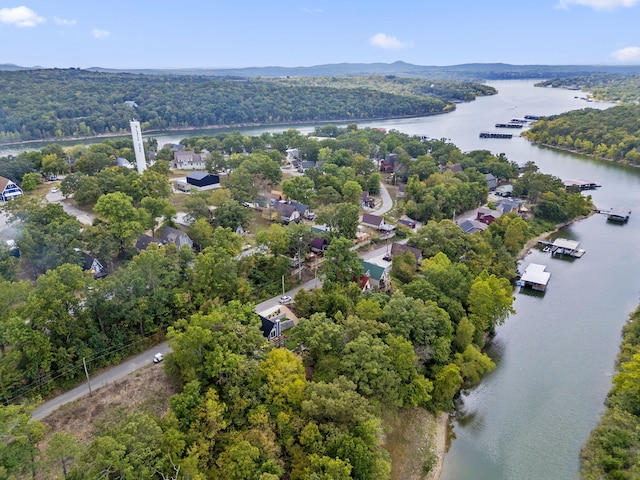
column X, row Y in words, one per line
column 9, row 190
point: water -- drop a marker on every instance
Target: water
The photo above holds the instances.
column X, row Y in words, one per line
column 529, row 418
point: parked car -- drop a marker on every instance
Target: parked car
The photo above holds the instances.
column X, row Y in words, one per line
column 387, row 257
column 54, row 190
column 285, row 299
column 158, row 357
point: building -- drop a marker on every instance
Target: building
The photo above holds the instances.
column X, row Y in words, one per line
column 373, row 221
column 399, row 249
column 188, row 160
column 378, row 278
column 492, row 181
column 472, row 226
column 288, row 213
column 535, row 277
column 319, row 245
column 203, row 180
column 488, row 216
column 172, row 235
column 388, row 165
column 144, row 241
column 9, row 190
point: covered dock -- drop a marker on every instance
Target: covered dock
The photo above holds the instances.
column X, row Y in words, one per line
column 620, row 215
column 562, row 246
column 535, row 277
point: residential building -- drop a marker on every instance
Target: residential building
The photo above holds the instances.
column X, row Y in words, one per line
column 188, row 160
column 172, row 235
column 399, row 249
column 378, row 276
column 203, row 180
column 9, row 190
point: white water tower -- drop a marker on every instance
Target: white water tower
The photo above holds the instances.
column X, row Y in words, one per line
column 138, row 146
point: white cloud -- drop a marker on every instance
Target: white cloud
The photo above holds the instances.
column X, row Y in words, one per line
column 387, row 42
column 628, row 54
column 64, row 22
column 598, row 4
column 100, row 34
column 20, row 17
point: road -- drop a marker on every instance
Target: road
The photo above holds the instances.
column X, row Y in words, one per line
column 82, row 216
column 109, row 376
column 387, row 202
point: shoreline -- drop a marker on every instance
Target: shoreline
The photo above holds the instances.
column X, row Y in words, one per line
column 441, row 435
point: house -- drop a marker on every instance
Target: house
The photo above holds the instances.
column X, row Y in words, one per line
column 123, row 162
column 303, row 209
column 172, row 235
column 407, row 222
column 399, row 249
column 270, row 328
column 508, row 206
column 364, row 283
column 504, row 190
column 92, row 265
column 367, row 201
column 472, row 226
column 276, row 196
column 319, row 245
column 377, row 275
column 203, row 180
column 488, row 216
column 292, row 153
column 288, row 213
column 453, row 168
column 188, row 160
column 9, row 190
column 144, row 241
column 275, row 321
column 373, row 221
column 388, row 164
column 492, row 181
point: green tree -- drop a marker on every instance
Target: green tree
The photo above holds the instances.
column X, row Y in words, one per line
column 341, row 264
column 231, row 215
column 490, row 302
column 300, row 189
column 30, row 181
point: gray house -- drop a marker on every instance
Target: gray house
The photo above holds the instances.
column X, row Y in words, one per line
column 172, row 235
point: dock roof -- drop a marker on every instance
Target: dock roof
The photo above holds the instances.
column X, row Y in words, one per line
column 566, row 244
column 535, row 273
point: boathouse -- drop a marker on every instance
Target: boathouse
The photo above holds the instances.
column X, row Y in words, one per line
column 535, row 277
column 562, row 246
column 620, row 215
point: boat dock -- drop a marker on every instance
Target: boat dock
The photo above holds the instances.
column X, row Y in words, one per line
column 532, row 117
column 535, row 277
column 581, row 184
column 495, row 135
column 619, row 215
column 562, row 246
column 508, row 125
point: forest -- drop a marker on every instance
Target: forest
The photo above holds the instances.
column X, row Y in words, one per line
column 610, row 87
column 610, row 134
column 246, row 409
column 612, row 450
column 59, row 103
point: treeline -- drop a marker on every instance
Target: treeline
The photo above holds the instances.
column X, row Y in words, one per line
column 608, row 87
column 613, row 448
column 610, row 134
column 40, row 104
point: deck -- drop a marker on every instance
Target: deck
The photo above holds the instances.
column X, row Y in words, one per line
column 562, row 246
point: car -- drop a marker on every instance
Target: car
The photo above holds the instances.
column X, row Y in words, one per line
column 285, row 299
column 158, row 357
column 387, row 257
column 54, row 190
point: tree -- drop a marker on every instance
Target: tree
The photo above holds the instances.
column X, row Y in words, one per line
column 30, row 181
column 157, row 207
column 123, row 221
column 351, row 192
column 93, row 162
column 490, row 302
column 341, row 218
column 300, row 189
column 276, row 238
column 341, row 264
column 21, row 435
column 231, row 215
column 53, row 164
column 63, row 450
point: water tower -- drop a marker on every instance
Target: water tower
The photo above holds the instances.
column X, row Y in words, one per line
column 138, row 146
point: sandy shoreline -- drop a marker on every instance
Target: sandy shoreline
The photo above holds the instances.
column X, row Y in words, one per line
column 440, row 444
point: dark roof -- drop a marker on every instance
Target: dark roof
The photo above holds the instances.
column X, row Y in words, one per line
column 370, row 219
column 318, row 243
column 399, row 249
column 285, row 209
column 301, row 207
column 144, row 241
column 470, row 226
column 455, row 168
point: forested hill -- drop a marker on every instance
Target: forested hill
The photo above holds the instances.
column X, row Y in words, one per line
column 50, row 104
column 610, row 134
column 610, row 87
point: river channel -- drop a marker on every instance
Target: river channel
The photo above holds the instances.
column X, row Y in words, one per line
column 555, row 357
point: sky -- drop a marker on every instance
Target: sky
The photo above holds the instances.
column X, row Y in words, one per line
column 130, row 34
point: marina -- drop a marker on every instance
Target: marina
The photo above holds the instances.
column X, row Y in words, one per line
column 495, row 135
column 581, row 184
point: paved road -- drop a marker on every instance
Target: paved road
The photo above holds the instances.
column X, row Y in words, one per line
column 81, row 215
column 105, row 378
column 387, row 202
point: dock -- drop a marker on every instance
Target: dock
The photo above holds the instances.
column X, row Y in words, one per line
column 581, row 184
column 535, row 277
column 618, row 215
column 495, row 135
column 562, row 246
column 508, row 125
column 532, row 117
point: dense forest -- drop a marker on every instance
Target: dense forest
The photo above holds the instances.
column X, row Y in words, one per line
column 611, row 134
column 246, row 409
column 610, row 87
column 49, row 104
column 613, row 448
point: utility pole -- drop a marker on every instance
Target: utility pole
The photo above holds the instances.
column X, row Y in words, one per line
column 282, row 284
column 299, row 261
column 84, row 362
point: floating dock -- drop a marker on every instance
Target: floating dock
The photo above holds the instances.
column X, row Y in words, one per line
column 618, row 215
column 581, row 184
column 508, row 125
column 495, row 135
column 535, row 277
column 532, row 117
column 562, row 246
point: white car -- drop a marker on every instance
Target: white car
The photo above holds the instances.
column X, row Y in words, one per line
column 285, row 299
column 54, row 190
column 158, row 357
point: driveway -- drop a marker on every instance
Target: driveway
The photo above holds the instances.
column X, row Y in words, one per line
column 387, row 202
column 82, row 216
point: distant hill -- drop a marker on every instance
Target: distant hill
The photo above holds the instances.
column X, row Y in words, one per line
column 467, row 71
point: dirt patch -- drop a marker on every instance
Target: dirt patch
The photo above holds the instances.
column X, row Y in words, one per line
column 416, row 442
column 147, row 389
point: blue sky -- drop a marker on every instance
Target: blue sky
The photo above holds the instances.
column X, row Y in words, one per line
column 228, row 33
